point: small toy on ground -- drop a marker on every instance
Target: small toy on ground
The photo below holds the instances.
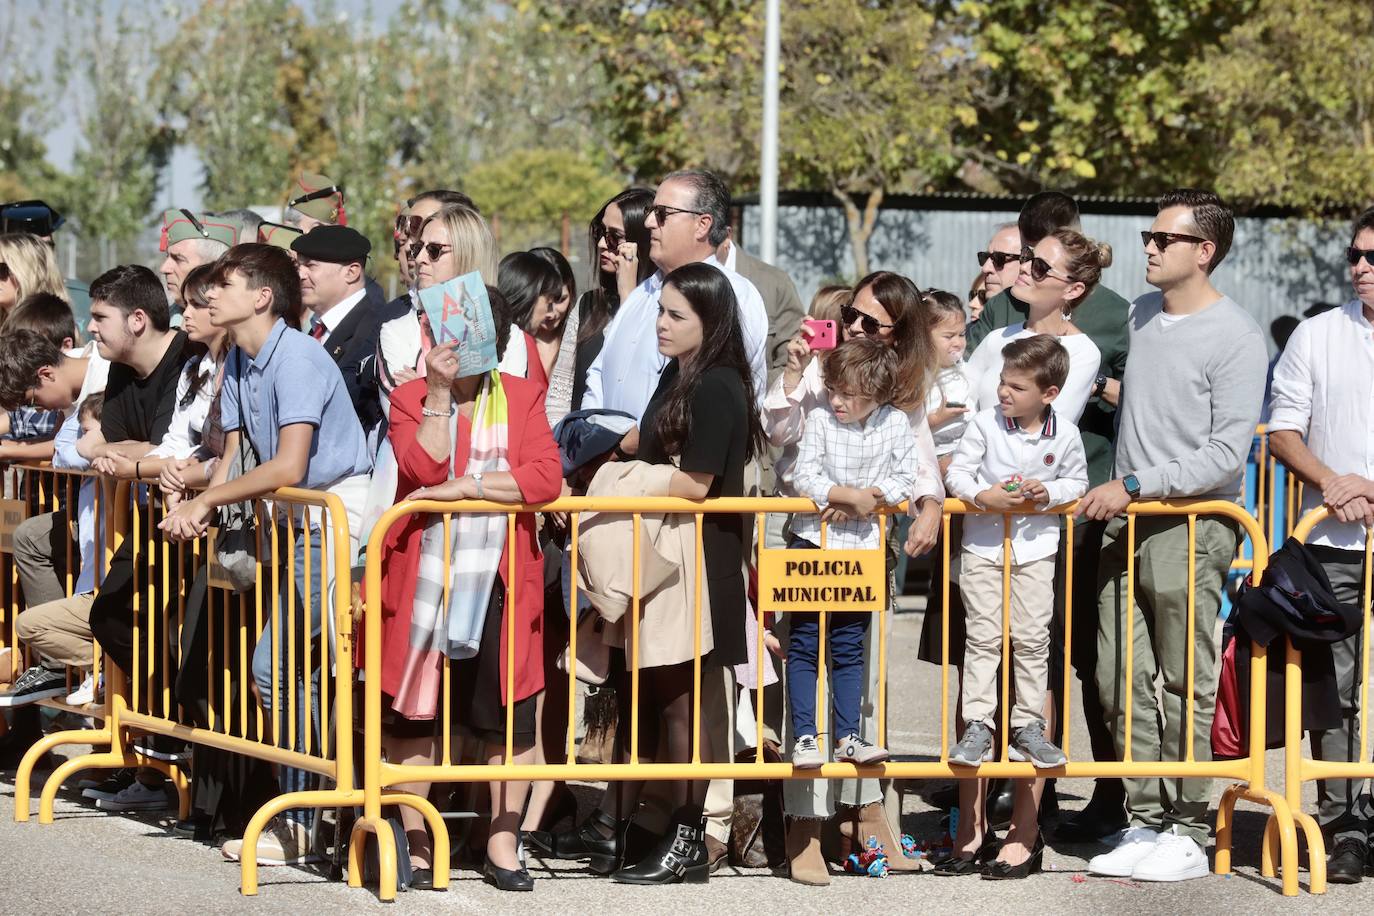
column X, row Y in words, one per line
column 871, row 862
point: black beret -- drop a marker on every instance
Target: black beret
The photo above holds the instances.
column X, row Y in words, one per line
column 336, row 244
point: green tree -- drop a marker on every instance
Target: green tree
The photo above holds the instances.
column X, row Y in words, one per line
column 531, row 190
column 24, row 110
column 123, row 145
column 1286, row 105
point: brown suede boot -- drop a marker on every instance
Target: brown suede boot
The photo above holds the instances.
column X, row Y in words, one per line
column 869, row 820
column 805, row 863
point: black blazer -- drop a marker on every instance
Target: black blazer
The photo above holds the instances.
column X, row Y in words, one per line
column 353, row 347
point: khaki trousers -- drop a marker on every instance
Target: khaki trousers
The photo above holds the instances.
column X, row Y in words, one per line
column 60, row 630
column 1032, row 609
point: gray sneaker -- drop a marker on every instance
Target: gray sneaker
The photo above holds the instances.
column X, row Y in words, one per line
column 806, row 753
column 974, row 748
column 1029, row 743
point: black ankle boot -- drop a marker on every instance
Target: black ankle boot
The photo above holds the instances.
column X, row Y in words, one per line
column 679, row 858
column 604, row 854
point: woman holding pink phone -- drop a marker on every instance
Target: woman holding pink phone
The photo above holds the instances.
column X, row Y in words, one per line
column 888, row 308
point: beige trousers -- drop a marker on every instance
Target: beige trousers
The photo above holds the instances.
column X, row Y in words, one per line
column 1032, row 607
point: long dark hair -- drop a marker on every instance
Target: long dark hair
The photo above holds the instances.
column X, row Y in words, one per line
column 560, row 263
column 709, row 293
column 193, row 289
column 522, row 278
column 912, row 321
column 603, row 298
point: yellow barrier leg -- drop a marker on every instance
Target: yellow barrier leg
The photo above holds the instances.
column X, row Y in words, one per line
column 1226, row 813
column 1271, row 839
column 110, row 760
column 183, row 787
column 1316, row 852
column 24, row 777
column 437, row 828
column 386, row 856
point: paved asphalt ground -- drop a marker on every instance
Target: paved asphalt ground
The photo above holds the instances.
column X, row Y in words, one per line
column 90, row 862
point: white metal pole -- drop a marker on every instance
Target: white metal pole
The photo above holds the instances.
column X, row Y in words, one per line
column 768, row 169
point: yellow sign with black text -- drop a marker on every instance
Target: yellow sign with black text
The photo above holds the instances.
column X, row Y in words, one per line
column 822, row 580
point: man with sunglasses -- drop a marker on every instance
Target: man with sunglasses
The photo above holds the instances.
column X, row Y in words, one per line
column 999, row 265
column 1318, row 427
column 190, row 239
column 1190, row 399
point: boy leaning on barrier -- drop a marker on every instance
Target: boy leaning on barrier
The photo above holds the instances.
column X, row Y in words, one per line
column 285, row 394
column 1320, row 414
column 1190, row 399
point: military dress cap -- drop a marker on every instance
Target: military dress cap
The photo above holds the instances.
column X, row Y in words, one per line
column 335, row 244
column 180, row 225
column 277, row 234
column 318, row 197
column 32, row 216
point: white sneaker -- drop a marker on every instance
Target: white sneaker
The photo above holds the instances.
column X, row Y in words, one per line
column 83, row 695
column 1131, row 846
column 1174, row 858
column 137, row 797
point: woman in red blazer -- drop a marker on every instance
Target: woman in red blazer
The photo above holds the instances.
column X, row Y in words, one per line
column 426, row 455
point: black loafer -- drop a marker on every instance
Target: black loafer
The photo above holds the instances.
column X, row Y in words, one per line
column 1346, row 864
column 507, row 879
column 422, row 879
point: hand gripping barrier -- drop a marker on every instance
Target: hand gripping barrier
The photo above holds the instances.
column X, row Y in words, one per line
column 382, row 779
column 182, row 620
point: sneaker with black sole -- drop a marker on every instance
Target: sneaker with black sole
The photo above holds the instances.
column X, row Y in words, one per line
column 1028, row 743
column 974, row 748
column 38, row 683
column 855, row 750
column 113, row 784
column 806, row 753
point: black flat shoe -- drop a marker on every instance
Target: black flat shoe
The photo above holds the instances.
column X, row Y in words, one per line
column 679, row 858
column 956, row 866
column 585, row 841
column 1346, row 864
column 422, row 879
column 507, row 879
column 539, row 842
column 1090, row 825
column 1001, row 800
column 997, row 870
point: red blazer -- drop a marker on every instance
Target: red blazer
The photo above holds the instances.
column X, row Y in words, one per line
column 535, row 464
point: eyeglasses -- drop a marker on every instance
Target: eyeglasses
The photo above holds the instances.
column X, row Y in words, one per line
column 999, row 259
column 1352, row 255
column 661, row 212
column 433, row 249
column 407, row 226
column 614, row 237
column 1163, row 240
column 1040, row 269
column 317, row 195
column 849, row 314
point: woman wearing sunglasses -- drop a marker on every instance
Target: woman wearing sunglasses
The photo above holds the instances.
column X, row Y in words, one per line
column 889, row 308
column 27, row 266
column 1058, row 274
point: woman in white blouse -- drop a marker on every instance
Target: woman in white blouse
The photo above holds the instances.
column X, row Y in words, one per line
column 1055, row 277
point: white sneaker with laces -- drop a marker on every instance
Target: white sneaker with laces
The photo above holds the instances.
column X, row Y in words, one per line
column 1174, row 858
column 137, row 797
column 806, row 753
column 83, row 695
column 1131, row 846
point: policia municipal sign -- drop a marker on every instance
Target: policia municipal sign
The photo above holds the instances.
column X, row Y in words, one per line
column 822, row 580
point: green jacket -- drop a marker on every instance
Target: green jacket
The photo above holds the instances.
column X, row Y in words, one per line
column 1102, row 316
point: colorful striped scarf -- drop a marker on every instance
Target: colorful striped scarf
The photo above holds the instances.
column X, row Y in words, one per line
column 475, row 544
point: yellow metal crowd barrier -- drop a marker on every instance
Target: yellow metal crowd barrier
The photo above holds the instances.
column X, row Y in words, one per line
column 380, row 776
column 1277, row 499
column 222, row 711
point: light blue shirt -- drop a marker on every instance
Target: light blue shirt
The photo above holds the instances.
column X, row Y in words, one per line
column 293, row 380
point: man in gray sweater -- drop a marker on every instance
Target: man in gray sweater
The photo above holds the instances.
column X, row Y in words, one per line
column 1190, row 399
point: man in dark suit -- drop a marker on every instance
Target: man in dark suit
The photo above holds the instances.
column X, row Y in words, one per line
column 345, row 311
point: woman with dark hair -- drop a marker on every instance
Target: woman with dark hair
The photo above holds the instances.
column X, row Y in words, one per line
column 619, row 247
column 701, row 422
column 533, row 289
column 559, row 400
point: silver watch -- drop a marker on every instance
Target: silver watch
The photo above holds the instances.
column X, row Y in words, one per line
column 477, row 479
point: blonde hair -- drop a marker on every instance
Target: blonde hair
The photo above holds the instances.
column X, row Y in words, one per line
column 828, row 302
column 473, row 245
column 1085, row 260
column 33, row 265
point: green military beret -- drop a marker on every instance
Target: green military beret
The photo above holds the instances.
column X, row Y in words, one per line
column 180, row 225
column 318, row 197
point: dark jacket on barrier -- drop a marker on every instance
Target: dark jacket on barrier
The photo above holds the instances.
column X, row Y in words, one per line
column 1294, row 599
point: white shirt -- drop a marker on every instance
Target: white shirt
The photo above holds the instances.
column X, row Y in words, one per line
column 335, row 316
column 879, row 452
column 784, row 419
column 993, row 450
column 951, row 387
column 625, row 373
column 188, row 422
column 1324, row 389
column 985, row 370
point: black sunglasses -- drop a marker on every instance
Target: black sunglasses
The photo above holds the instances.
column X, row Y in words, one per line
column 849, row 314
column 661, row 212
column 999, row 259
column 614, row 237
column 1163, row 240
column 433, row 249
column 1040, row 269
column 407, row 226
column 316, row 195
column 1352, row 255
column 4, row 272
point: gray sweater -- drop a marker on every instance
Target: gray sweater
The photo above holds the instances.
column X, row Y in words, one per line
column 1190, row 400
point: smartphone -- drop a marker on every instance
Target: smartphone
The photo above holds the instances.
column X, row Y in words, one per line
column 955, row 404
column 823, row 334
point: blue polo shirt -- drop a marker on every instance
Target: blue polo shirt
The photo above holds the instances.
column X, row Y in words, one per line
column 293, row 380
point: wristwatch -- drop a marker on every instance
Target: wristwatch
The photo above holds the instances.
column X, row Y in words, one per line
column 1132, row 486
column 477, row 479
column 1099, row 386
